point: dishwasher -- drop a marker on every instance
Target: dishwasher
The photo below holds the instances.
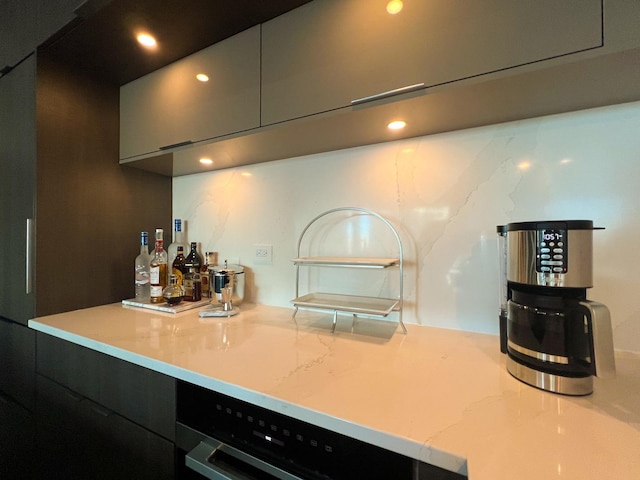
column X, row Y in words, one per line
column 223, row 438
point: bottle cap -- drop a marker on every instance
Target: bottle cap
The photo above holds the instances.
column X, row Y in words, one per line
column 177, row 223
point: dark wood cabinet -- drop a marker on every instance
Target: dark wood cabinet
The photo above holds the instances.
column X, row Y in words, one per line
column 78, row 438
column 17, row 445
column 17, row 361
column 17, row 187
column 17, row 400
column 142, row 395
column 28, row 23
column 101, row 417
column 70, row 223
column 72, row 213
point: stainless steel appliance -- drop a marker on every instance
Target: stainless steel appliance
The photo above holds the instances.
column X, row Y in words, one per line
column 224, row 438
column 237, row 271
column 555, row 339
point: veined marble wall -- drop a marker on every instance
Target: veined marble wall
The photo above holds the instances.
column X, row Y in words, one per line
column 445, row 194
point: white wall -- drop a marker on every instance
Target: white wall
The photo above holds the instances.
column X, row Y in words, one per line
column 445, row 194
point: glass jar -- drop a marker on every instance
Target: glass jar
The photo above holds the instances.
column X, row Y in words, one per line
column 174, row 292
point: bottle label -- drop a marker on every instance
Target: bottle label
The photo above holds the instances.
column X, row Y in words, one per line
column 156, row 290
column 154, row 275
column 142, row 276
column 179, row 276
column 205, row 284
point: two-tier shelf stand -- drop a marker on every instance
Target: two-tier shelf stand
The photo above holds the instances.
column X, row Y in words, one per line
column 344, row 303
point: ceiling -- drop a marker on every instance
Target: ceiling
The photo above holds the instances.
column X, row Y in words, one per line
column 102, row 42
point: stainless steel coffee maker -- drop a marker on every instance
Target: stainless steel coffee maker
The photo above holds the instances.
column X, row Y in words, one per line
column 554, row 338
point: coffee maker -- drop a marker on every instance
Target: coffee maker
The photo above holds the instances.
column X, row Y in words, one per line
column 554, row 338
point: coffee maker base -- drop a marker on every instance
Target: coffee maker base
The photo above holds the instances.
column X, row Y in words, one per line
column 550, row 383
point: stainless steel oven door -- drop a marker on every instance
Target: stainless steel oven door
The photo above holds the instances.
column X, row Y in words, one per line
column 218, row 461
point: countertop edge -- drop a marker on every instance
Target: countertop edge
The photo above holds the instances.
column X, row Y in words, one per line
column 422, row 452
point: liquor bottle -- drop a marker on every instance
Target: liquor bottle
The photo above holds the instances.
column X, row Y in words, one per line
column 158, row 269
column 178, row 240
column 205, row 277
column 192, row 280
column 194, row 260
column 142, row 269
column 178, row 267
column 173, row 293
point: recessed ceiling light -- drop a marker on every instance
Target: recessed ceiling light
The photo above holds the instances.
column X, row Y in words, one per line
column 146, row 40
column 397, row 125
column 206, row 161
column 394, row 6
column 202, row 77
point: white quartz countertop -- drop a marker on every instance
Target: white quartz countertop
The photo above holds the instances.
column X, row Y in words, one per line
column 441, row 396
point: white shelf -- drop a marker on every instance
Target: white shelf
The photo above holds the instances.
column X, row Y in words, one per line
column 348, row 262
column 347, row 303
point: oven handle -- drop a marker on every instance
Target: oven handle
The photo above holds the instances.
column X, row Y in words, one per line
column 202, row 459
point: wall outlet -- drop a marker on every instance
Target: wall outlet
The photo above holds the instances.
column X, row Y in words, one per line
column 263, row 253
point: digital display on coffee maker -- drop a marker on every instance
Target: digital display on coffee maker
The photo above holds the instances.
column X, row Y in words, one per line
column 551, row 251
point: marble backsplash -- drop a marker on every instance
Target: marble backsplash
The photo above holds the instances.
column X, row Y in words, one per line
column 445, row 194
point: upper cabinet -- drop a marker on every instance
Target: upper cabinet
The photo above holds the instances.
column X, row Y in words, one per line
column 329, row 53
column 171, row 106
column 334, row 73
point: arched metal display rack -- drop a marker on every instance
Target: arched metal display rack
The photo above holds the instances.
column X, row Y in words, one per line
column 345, row 303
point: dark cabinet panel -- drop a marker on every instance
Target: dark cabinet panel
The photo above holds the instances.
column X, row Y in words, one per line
column 139, row 394
column 17, row 445
column 90, row 210
column 78, row 438
column 17, row 363
column 28, row 23
column 18, row 32
column 17, row 187
column 59, row 154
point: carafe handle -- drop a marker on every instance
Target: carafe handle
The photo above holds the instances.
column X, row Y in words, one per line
column 602, row 338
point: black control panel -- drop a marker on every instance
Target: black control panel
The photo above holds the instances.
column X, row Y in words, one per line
column 308, row 451
column 551, row 251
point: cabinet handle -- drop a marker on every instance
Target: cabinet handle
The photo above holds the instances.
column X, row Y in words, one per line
column 390, row 93
column 29, row 257
column 176, row 145
column 203, row 459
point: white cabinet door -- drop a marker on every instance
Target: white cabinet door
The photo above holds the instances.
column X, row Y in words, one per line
column 171, row 106
column 321, row 56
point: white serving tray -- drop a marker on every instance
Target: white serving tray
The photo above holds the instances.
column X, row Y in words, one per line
column 165, row 307
column 347, row 303
column 348, row 261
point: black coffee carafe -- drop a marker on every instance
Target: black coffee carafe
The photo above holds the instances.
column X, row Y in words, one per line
column 555, row 339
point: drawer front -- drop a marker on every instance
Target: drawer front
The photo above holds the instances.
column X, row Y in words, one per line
column 137, row 393
column 77, row 438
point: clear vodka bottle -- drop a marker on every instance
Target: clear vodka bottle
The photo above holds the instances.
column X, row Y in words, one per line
column 142, row 269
